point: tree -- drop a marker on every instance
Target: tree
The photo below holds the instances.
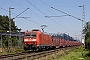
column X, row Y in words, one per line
column 86, row 28
column 4, row 24
column 4, row 27
column 87, row 40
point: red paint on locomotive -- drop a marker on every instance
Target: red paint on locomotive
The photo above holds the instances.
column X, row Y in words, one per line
column 36, row 40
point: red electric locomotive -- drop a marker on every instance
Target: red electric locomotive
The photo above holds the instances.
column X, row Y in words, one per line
column 35, row 39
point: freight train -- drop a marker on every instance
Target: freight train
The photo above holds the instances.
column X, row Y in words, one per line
column 37, row 40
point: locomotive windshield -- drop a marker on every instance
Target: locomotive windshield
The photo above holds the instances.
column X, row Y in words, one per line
column 28, row 35
column 33, row 35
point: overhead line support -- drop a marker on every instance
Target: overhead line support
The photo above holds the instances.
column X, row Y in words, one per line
column 67, row 14
column 20, row 13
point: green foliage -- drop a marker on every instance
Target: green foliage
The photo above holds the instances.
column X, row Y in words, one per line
column 87, row 41
column 4, row 27
column 14, row 41
column 4, row 24
column 76, row 54
column 5, row 41
column 86, row 28
column 19, row 50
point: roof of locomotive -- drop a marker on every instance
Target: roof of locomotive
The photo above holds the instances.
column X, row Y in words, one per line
column 33, row 31
column 36, row 30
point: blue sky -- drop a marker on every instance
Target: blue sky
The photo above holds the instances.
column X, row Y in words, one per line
column 38, row 9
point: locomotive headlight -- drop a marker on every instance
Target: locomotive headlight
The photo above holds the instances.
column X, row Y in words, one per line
column 25, row 39
column 34, row 40
column 25, row 43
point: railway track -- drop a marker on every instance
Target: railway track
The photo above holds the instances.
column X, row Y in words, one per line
column 10, row 56
column 33, row 55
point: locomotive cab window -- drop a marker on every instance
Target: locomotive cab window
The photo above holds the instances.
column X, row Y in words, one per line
column 30, row 35
column 33, row 35
column 27, row 35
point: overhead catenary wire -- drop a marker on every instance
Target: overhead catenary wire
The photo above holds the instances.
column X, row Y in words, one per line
column 42, row 12
column 37, row 15
column 29, row 19
column 46, row 5
column 35, row 7
column 67, row 14
column 20, row 13
column 58, row 16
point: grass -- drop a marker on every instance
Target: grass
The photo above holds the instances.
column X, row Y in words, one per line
column 13, row 50
column 77, row 54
